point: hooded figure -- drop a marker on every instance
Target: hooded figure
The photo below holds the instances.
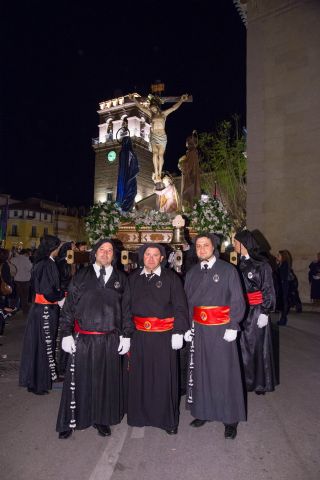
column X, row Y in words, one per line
column 256, row 339
column 97, row 311
column 216, row 307
column 159, row 311
column 37, row 367
column 127, row 173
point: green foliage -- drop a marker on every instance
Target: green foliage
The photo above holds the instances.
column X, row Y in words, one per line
column 223, row 163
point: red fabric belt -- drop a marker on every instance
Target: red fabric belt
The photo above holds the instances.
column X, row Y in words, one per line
column 153, row 324
column 78, row 329
column 255, row 298
column 211, row 315
column 39, row 298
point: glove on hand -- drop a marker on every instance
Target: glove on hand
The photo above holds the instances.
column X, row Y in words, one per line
column 61, row 302
column 188, row 336
column 262, row 320
column 176, row 341
column 230, row 335
column 68, row 344
column 124, row 345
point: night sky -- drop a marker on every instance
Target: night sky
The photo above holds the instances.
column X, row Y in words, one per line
column 59, row 59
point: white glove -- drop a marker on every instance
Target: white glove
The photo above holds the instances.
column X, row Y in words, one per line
column 124, row 345
column 68, row 344
column 61, row 302
column 188, row 336
column 262, row 320
column 230, row 335
column 176, row 341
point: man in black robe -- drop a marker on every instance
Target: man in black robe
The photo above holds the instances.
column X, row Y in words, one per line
column 216, row 306
column 37, row 367
column 256, row 339
column 160, row 315
column 97, row 310
column 314, row 279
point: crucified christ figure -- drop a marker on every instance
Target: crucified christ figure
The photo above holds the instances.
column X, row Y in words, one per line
column 158, row 137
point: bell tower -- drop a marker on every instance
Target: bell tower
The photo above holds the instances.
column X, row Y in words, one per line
column 118, row 117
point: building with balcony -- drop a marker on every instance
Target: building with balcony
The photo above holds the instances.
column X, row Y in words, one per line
column 29, row 220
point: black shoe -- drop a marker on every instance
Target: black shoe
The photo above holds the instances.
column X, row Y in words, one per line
column 172, row 431
column 230, row 431
column 103, row 430
column 41, row 392
column 66, row 434
column 260, row 393
column 197, row 423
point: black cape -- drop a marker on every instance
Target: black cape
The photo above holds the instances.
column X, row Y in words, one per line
column 256, row 343
column 98, row 375
column 153, row 369
column 37, row 367
column 215, row 390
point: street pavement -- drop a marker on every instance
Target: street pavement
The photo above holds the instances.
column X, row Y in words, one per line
column 280, row 440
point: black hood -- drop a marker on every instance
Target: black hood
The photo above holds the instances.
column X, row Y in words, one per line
column 144, row 247
column 246, row 238
column 98, row 245
column 48, row 244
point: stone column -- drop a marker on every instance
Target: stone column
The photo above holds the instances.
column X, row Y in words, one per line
column 283, row 120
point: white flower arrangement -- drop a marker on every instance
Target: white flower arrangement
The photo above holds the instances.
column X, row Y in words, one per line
column 105, row 218
column 150, row 218
column 209, row 215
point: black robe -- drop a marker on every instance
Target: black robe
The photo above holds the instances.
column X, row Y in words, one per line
column 256, row 343
column 98, row 378
column 37, row 367
column 153, row 369
column 214, row 390
column 314, row 280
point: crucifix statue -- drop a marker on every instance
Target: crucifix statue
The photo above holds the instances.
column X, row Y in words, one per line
column 158, row 137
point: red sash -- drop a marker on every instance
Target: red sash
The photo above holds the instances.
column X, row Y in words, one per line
column 39, row 298
column 78, row 329
column 153, row 324
column 211, row 315
column 255, row 298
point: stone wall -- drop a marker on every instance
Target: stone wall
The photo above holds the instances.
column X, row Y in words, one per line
column 283, row 120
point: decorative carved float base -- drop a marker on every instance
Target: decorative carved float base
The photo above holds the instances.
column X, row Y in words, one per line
column 132, row 237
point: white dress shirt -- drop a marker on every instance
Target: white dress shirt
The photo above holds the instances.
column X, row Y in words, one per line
column 109, row 270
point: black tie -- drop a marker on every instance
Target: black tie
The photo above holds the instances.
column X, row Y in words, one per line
column 149, row 276
column 205, row 266
column 101, row 278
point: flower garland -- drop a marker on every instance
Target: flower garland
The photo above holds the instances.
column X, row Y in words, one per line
column 105, row 217
column 153, row 218
column 207, row 215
